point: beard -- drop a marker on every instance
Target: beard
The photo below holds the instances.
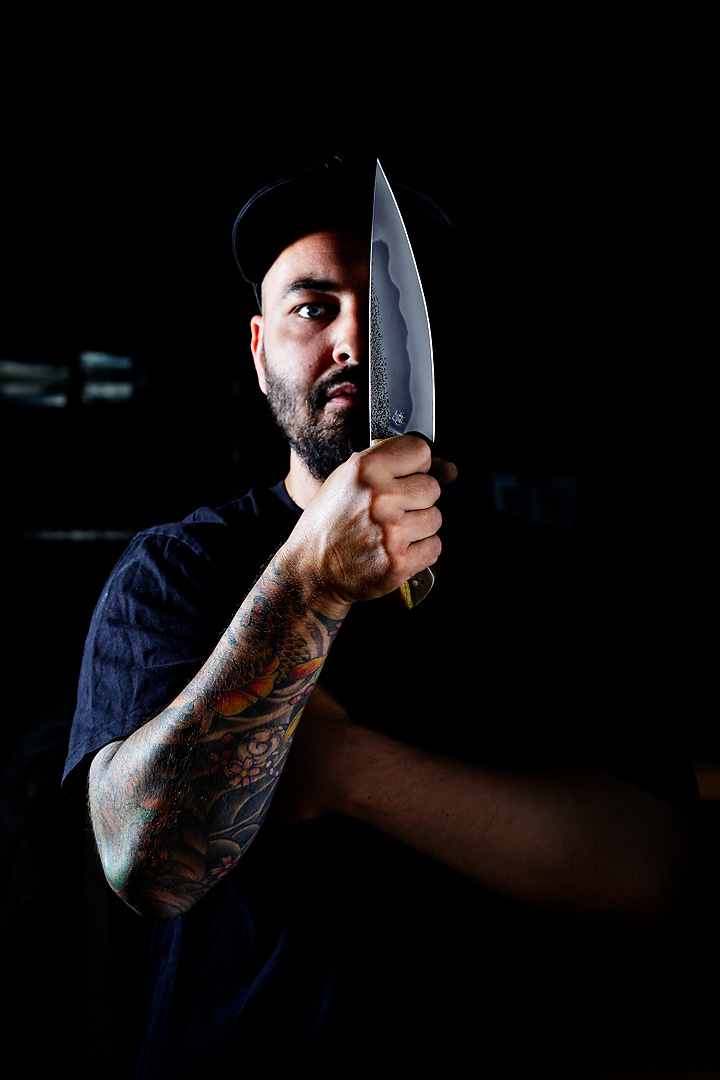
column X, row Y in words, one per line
column 321, row 442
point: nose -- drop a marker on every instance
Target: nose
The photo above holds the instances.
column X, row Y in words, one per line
column 351, row 337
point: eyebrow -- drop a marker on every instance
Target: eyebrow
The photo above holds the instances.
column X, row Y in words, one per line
column 310, row 284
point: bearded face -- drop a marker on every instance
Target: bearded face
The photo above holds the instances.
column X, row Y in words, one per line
column 323, row 439
column 310, row 349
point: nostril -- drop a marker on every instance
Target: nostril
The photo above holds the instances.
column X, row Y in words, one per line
column 344, row 355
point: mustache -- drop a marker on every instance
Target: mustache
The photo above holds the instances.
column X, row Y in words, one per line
column 319, row 393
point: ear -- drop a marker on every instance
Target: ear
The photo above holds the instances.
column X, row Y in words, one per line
column 256, row 346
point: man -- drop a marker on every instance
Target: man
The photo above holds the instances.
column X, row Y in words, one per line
column 360, row 828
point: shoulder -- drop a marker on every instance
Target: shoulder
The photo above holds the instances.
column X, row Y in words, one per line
column 161, row 612
column 246, row 530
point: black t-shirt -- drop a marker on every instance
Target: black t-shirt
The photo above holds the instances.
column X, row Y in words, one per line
column 332, row 949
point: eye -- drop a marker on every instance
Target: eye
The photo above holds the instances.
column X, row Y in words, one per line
column 313, row 310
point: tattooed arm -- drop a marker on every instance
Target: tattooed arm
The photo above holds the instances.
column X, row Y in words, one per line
column 175, row 805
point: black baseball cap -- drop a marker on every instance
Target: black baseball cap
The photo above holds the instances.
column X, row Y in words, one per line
column 336, row 192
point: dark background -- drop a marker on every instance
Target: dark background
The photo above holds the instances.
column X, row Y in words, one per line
column 571, row 327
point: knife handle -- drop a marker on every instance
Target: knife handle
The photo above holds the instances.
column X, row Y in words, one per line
column 416, row 589
column 419, row 585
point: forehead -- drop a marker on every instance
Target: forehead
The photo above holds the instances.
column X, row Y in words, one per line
column 334, row 256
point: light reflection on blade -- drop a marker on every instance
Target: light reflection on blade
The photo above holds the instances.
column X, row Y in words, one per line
column 402, row 396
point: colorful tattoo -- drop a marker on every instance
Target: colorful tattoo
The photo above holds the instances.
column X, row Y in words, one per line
column 187, row 793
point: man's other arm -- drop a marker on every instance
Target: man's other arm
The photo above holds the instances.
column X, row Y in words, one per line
column 584, row 843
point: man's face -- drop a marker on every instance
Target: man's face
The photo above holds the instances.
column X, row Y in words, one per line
column 310, row 347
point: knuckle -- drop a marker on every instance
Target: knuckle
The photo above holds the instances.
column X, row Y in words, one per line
column 382, row 510
column 357, row 463
column 424, row 452
column 433, row 550
column 432, row 488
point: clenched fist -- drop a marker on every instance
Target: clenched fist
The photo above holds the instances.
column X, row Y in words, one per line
column 372, row 525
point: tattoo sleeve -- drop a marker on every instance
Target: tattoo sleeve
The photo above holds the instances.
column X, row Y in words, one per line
column 181, row 799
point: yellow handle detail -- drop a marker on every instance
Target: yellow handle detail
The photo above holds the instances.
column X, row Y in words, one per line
column 416, row 589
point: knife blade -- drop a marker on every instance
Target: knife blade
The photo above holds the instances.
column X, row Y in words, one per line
column 402, row 381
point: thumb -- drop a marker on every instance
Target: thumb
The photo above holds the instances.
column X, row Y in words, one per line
column 443, row 471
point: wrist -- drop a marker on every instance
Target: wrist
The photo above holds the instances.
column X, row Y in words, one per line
column 295, row 563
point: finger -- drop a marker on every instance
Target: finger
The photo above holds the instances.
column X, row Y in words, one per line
column 443, row 471
column 418, row 525
column 403, row 454
column 423, row 553
column 417, row 491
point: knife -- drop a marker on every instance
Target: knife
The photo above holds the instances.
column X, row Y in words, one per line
column 402, row 381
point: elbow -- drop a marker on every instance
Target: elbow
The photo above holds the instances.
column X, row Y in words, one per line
column 156, row 904
column 152, row 896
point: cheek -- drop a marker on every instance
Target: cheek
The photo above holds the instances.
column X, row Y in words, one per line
column 288, row 380
column 296, row 358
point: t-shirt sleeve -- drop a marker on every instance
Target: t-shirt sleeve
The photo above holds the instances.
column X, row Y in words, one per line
column 155, row 624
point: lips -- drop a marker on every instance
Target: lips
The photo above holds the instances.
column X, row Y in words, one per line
column 340, row 390
column 346, row 393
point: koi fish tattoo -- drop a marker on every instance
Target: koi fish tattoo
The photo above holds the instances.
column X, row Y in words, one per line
column 185, row 795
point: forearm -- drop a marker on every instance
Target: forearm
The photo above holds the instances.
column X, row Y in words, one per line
column 175, row 805
column 584, row 843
